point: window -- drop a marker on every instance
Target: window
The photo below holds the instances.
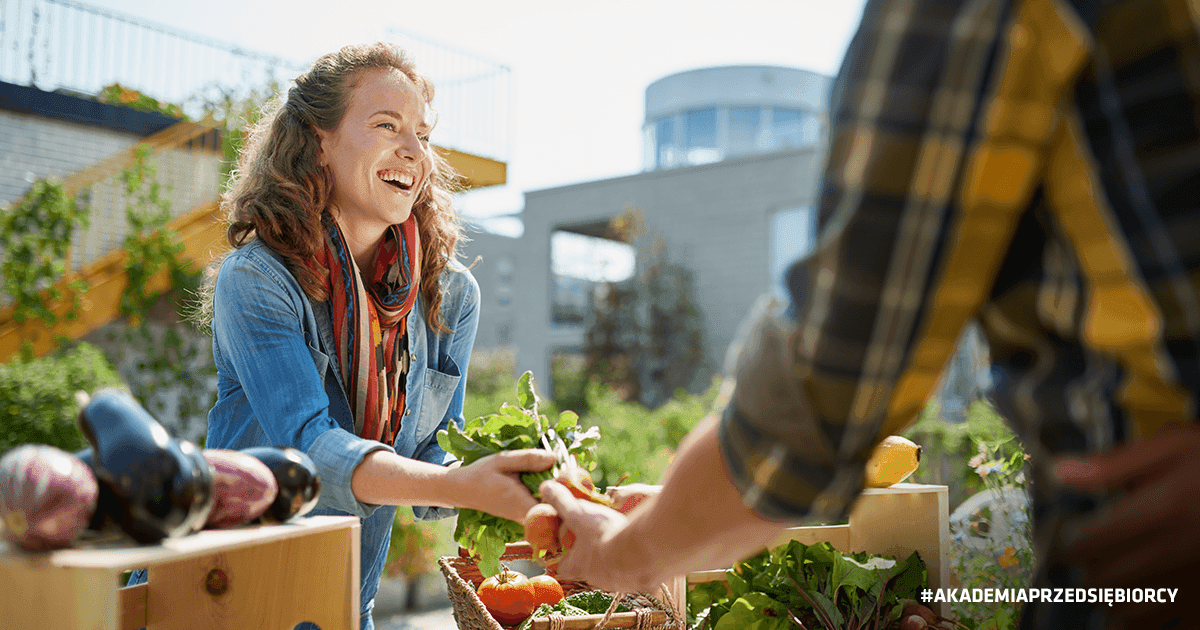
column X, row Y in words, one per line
column 743, row 130
column 793, row 234
column 664, row 134
column 700, row 136
column 795, row 127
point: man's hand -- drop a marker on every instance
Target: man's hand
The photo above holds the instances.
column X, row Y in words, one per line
column 597, row 556
column 1150, row 538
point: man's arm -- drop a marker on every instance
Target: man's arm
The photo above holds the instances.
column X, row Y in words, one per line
column 698, row 522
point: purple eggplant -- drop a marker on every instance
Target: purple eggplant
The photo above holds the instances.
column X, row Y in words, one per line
column 47, row 497
column 296, row 477
column 243, row 486
column 103, row 518
column 162, row 489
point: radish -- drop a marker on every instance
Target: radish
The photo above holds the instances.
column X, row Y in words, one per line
column 46, row 497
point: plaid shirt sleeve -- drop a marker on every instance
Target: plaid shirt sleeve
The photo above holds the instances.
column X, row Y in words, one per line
column 940, row 122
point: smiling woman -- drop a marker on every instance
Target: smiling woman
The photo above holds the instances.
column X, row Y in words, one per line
column 342, row 322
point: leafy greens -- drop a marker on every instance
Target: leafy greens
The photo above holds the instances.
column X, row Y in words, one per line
column 514, row 427
column 815, row 584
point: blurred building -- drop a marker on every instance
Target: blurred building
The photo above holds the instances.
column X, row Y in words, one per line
column 729, row 182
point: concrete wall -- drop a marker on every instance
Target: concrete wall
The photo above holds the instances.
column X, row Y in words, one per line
column 492, row 259
column 714, row 218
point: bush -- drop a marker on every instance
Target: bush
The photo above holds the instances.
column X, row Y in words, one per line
column 37, row 399
column 638, row 443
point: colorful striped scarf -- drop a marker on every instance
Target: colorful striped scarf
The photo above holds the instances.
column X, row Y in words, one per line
column 369, row 324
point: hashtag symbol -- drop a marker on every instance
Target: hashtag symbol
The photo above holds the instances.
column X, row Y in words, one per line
column 926, row 595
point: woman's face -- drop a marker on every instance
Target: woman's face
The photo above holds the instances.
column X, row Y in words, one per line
column 379, row 153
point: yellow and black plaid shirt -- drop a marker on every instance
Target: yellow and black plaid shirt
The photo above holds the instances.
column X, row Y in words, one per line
column 1031, row 165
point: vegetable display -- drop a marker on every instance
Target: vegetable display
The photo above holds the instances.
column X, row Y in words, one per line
column 47, row 497
column 577, row 605
column 815, row 586
column 137, row 480
column 514, row 427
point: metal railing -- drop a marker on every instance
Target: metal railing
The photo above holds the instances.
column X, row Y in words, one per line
column 67, row 45
column 79, row 48
column 472, row 95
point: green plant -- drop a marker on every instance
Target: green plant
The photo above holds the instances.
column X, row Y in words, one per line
column 173, row 360
column 645, row 335
column 116, row 94
column 638, row 442
column 150, row 246
column 35, row 235
column 37, row 398
column 811, row 586
column 1006, row 560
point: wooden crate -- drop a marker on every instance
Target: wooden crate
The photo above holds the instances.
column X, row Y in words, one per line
column 893, row 521
column 269, row 577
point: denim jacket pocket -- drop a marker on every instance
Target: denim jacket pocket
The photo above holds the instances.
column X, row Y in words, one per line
column 436, row 399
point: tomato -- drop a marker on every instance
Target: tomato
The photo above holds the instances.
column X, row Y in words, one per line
column 508, row 596
column 546, row 590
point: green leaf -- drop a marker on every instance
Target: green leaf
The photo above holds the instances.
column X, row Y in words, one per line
column 737, row 585
column 755, row 611
column 525, row 394
column 567, row 421
column 461, row 446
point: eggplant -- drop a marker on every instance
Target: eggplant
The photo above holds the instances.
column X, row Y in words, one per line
column 162, row 489
column 206, row 498
column 243, row 485
column 47, row 497
column 104, row 517
column 296, row 477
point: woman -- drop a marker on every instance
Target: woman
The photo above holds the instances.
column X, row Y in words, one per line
column 342, row 322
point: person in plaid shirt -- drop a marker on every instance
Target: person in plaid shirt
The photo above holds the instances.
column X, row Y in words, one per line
column 1032, row 165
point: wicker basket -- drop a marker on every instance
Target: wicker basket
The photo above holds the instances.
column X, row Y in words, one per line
column 463, row 578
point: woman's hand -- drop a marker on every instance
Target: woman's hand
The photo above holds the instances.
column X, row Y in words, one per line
column 493, row 484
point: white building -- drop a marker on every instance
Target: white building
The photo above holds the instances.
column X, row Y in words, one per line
column 732, row 159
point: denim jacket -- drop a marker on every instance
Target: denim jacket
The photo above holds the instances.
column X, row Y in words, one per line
column 279, row 384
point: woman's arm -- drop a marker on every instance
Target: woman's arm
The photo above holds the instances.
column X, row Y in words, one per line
column 490, row 485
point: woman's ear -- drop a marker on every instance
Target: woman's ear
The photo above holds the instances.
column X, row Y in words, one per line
column 320, row 136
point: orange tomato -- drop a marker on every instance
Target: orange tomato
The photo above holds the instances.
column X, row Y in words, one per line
column 546, row 590
column 508, row 596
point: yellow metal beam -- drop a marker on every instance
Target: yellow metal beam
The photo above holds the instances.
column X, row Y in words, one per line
column 477, row 172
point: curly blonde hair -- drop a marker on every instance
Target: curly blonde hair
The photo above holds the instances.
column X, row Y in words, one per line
column 280, row 193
